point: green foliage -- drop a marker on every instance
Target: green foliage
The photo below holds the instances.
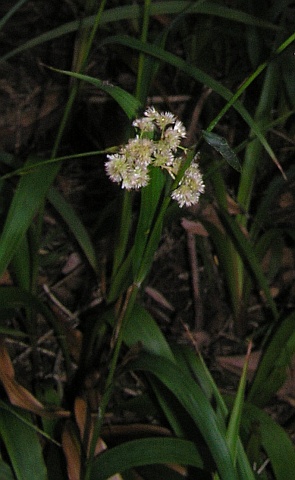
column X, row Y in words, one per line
column 216, row 436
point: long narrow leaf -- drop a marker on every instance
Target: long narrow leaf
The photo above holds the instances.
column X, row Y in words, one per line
column 134, row 11
column 29, row 195
column 272, row 369
column 23, row 447
column 199, row 76
column 127, row 102
column 246, row 250
column 274, row 441
column 192, row 398
column 146, row 451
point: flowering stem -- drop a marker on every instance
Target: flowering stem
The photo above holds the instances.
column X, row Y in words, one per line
column 122, row 319
column 144, row 34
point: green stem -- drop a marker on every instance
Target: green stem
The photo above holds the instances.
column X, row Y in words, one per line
column 123, row 318
column 143, row 38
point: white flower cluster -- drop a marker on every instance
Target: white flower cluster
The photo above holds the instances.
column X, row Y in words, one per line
column 156, row 144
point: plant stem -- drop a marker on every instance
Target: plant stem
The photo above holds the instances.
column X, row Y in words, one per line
column 123, row 317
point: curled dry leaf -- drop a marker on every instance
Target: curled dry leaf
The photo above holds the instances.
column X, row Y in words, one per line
column 72, row 450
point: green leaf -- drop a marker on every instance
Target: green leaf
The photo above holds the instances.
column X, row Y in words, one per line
column 274, row 441
column 233, row 428
column 146, row 451
column 29, row 195
column 194, row 363
column 75, row 225
column 10, row 12
column 192, row 398
column 149, row 205
column 134, row 12
column 200, row 76
column 143, row 329
column 221, row 146
column 5, row 471
column 245, row 248
column 127, row 102
column 272, row 369
column 23, row 446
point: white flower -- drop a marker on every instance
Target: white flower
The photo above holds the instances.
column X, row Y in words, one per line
column 139, row 151
column 151, row 113
column 164, row 119
column 131, row 165
column 144, row 124
column 190, row 187
column 136, row 177
column 116, row 167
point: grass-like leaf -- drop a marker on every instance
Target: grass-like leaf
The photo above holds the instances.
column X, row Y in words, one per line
column 192, row 398
column 272, row 369
column 199, row 76
column 274, row 441
column 23, row 446
column 127, row 102
column 246, row 251
column 134, row 12
column 146, row 451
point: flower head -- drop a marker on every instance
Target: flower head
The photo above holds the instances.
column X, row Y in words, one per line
column 190, row 186
column 156, row 145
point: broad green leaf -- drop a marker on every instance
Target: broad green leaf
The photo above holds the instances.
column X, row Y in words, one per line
column 221, row 146
column 75, row 225
column 23, row 446
column 21, row 265
column 29, row 195
column 142, row 328
column 192, row 398
column 145, row 451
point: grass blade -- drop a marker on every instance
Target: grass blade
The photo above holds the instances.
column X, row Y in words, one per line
column 233, row 428
column 274, row 440
column 127, row 102
column 192, row 398
column 199, row 76
column 29, row 195
column 23, row 446
column 134, row 12
column 11, row 12
column 272, row 369
column 146, row 451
